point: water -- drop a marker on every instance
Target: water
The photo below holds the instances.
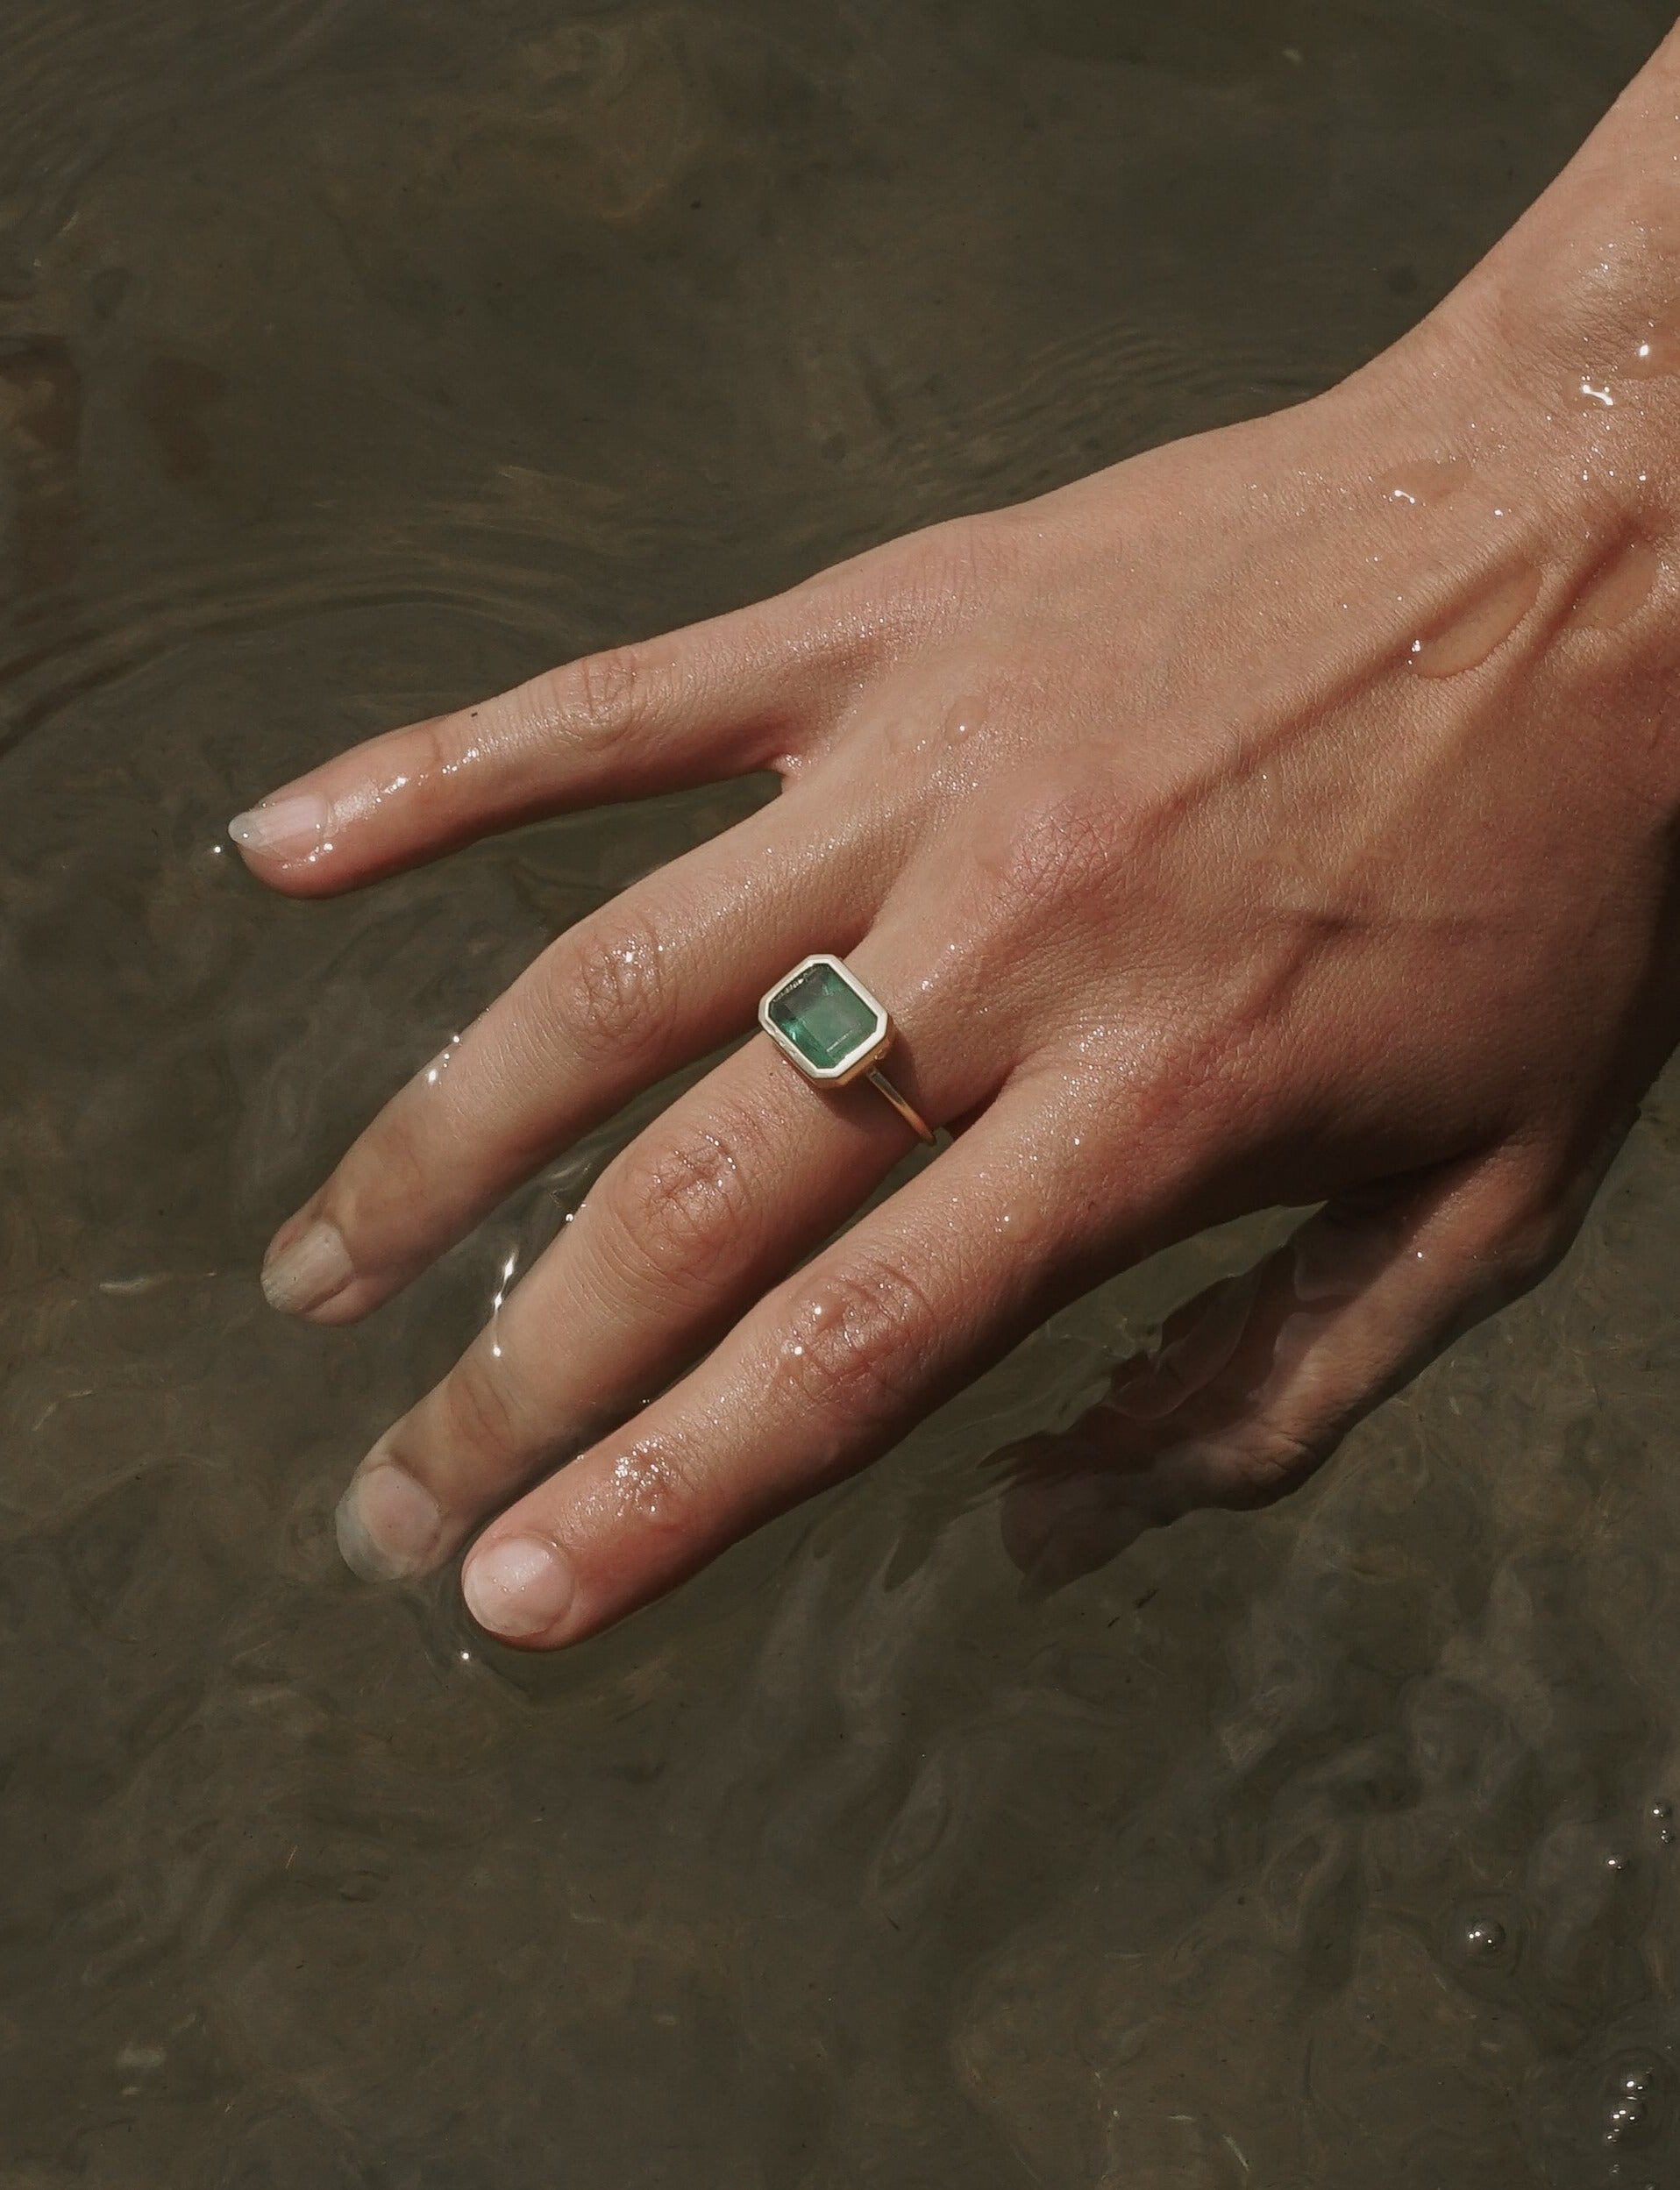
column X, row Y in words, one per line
column 358, row 357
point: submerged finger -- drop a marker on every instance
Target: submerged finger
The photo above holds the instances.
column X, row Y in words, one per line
column 1257, row 1381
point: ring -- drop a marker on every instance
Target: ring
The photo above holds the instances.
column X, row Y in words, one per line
column 824, row 1018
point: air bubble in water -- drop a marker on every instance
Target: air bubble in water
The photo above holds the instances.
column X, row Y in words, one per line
column 1625, row 2116
column 1634, row 2099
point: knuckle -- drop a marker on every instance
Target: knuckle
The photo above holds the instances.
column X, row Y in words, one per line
column 657, row 1485
column 486, row 1411
column 390, row 1170
column 603, row 696
column 961, row 561
column 1277, row 1461
column 609, row 991
column 1062, row 851
column 936, row 581
column 1264, row 1465
column 680, row 1206
column 1532, row 1242
column 1510, row 1244
column 858, row 1342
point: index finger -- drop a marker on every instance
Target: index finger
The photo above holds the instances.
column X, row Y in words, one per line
column 719, row 699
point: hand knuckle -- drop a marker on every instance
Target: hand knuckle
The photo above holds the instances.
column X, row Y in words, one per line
column 611, row 987
column 680, row 1206
column 486, row 1413
column 657, row 1485
column 963, row 561
column 1519, row 1240
column 604, row 695
column 1271, row 1462
column 1535, row 1233
column 858, row 1340
column 936, row 580
column 1064, row 849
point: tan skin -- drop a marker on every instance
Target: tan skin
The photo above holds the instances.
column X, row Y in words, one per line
column 1286, row 816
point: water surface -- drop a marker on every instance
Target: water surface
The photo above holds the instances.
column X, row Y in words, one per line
column 358, row 358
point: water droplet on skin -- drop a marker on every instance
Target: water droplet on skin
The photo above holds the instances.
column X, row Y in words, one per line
column 1423, row 485
column 439, row 1065
column 642, row 1480
column 1472, row 635
column 1595, row 397
column 1620, row 587
column 1656, row 357
column 963, row 719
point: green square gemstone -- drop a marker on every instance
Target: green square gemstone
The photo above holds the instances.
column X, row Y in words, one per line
column 824, row 1017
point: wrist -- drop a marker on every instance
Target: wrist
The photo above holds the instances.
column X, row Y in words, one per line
column 1555, row 367
column 1569, row 329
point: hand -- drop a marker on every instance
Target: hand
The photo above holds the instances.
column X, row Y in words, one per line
column 1283, row 817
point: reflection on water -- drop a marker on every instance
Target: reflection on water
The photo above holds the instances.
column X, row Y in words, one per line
column 358, row 358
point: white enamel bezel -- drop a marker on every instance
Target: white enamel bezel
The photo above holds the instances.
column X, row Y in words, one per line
column 863, row 1056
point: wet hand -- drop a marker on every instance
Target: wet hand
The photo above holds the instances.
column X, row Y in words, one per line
column 1283, row 817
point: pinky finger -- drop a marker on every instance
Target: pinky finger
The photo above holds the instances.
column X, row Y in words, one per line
column 1257, row 1380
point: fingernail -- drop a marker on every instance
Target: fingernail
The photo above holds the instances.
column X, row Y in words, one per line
column 308, row 1272
column 285, row 827
column 519, row 1587
column 389, row 1527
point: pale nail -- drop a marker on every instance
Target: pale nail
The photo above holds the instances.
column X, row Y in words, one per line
column 520, row 1587
column 286, row 828
column 308, row 1272
column 389, row 1527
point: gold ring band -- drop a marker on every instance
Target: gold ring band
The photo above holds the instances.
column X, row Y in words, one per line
column 824, row 1021
column 905, row 1109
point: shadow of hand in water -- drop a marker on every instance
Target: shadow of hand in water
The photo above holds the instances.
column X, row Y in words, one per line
column 1257, row 1380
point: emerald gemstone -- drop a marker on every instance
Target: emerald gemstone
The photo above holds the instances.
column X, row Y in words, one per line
column 824, row 1017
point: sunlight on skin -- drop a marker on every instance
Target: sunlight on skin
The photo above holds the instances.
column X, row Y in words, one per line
column 1284, row 816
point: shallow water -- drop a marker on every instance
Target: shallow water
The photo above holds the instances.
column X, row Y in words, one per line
column 359, row 357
